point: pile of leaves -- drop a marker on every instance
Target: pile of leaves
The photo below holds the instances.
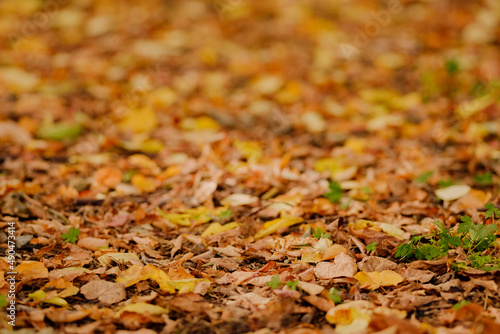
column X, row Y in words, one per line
column 250, row 166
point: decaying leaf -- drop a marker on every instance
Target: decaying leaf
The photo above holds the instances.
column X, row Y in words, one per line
column 107, row 292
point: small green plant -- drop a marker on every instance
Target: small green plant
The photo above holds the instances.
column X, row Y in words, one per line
column 473, row 238
column 484, row 179
column 275, row 282
column 335, row 193
column 72, row 235
column 372, row 247
column 127, row 176
column 225, row 214
column 452, row 66
column 492, row 211
column 334, row 295
column 445, row 183
column 460, row 304
column 424, row 177
column 319, row 233
column 292, row 284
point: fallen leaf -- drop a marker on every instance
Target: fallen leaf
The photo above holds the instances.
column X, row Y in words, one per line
column 239, row 200
column 137, row 273
column 276, row 224
column 30, row 270
column 107, row 292
column 142, row 308
column 216, row 228
column 344, row 266
column 124, row 258
column 375, row 279
column 375, row 263
column 452, row 192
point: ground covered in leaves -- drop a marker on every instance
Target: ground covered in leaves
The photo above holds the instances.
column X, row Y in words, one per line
column 237, row 166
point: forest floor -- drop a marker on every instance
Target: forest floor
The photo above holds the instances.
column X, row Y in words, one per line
column 237, row 166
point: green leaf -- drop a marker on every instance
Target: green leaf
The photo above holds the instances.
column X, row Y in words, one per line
column 335, row 193
column 460, row 304
column 405, row 250
column 292, row 284
column 445, row 183
column 484, row 179
column 275, row 282
column 466, row 226
column 59, row 131
column 225, row 214
column 492, row 212
column 334, row 295
column 318, row 234
column 372, row 247
column 3, row 301
column 428, row 252
column 72, row 236
column 424, row 177
column 452, row 241
column 452, row 66
column 439, row 225
column 127, row 175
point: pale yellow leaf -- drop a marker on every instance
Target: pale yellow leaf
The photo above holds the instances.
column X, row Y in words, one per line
column 215, row 228
column 375, row 279
column 453, row 192
column 142, row 308
column 276, row 224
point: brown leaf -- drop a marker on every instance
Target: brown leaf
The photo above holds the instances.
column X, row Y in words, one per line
column 375, row 263
column 107, row 292
column 344, row 266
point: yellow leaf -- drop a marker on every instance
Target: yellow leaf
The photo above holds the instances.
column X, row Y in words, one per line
column 469, row 108
column 186, row 285
column 274, row 225
column 175, row 218
column 140, row 120
column 350, row 314
column 328, row 164
column 158, row 275
column 144, row 184
column 141, row 161
column 149, row 145
column 375, row 279
column 250, row 150
column 391, row 230
column 69, row 291
column 215, row 228
column 56, row 301
column 356, row 145
column 199, row 123
column 169, row 172
column 41, row 296
column 137, row 273
column 142, row 308
column 162, row 97
column 38, row 295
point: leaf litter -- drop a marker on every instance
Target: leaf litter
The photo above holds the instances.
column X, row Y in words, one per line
column 250, row 167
